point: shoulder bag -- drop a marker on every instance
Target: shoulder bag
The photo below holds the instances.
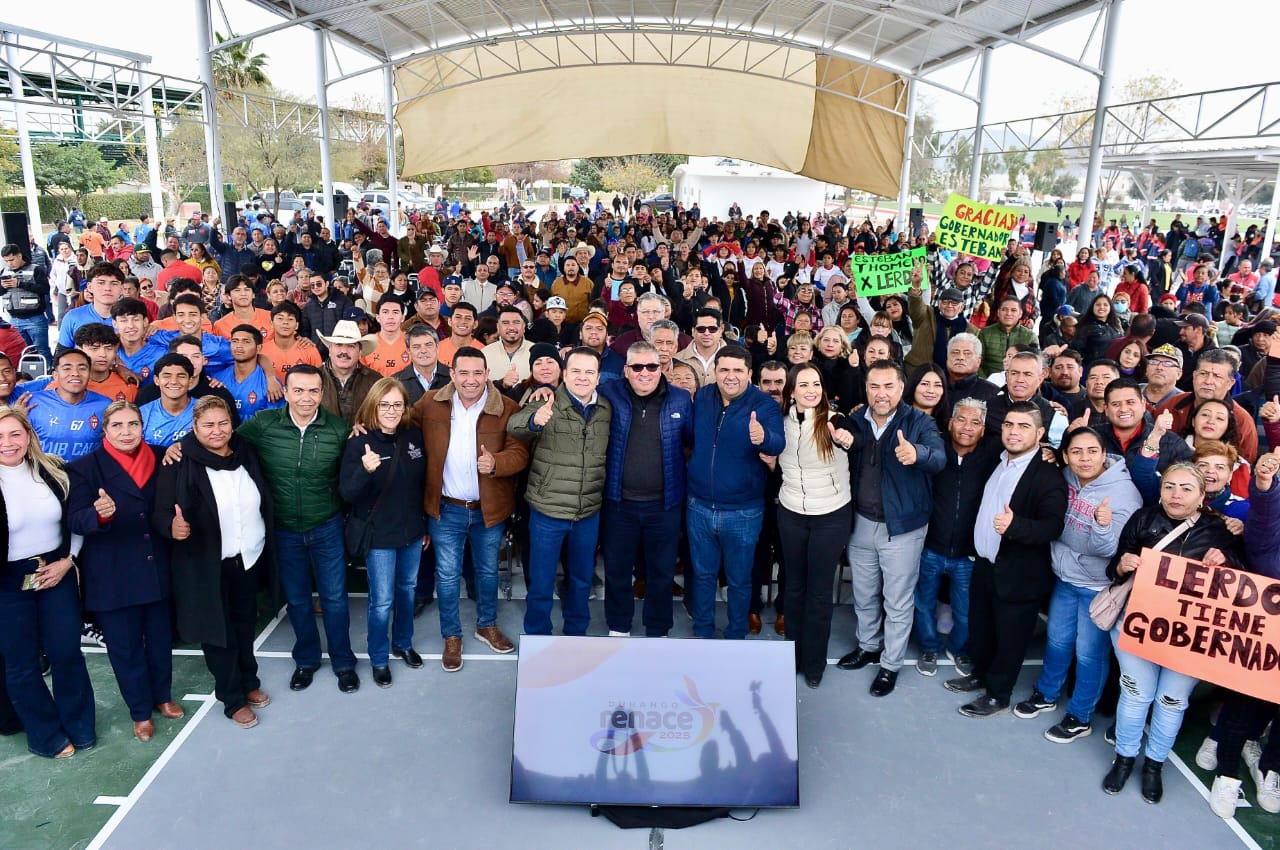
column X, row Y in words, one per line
column 1109, row 604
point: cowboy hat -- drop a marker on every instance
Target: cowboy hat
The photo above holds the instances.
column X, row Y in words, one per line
column 583, row 246
column 348, row 333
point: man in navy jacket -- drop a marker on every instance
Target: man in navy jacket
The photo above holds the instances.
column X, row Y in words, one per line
column 734, row 424
column 644, row 490
column 898, row 451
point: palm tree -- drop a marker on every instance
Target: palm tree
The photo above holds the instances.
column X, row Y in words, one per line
column 238, row 67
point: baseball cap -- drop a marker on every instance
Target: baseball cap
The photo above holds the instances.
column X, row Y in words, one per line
column 355, row 314
column 555, row 302
column 595, row 315
column 1193, row 320
column 427, row 292
column 1167, row 352
column 452, row 280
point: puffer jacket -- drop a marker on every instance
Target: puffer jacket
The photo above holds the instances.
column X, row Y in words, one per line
column 302, row 468
column 567, row 471
column 1081, row 554
column 677, row 434
column 1150, row 524
column 811, row 485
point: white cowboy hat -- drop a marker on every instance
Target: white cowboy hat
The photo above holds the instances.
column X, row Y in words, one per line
column 583, row 246
column 348, row 333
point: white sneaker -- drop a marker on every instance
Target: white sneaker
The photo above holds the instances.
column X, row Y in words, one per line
column 1207, row 755
column 1251, row 754
column 1223, row 797
column 612, row 633
column 1269, row 792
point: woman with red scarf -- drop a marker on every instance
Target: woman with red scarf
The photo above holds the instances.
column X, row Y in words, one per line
column 124, row 566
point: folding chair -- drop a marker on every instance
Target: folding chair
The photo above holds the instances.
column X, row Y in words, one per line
column 33, row 363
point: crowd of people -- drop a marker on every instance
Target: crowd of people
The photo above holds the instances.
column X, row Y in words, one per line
column 273, row 403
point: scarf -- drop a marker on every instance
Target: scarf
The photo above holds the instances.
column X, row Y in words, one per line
column 191, row 449
column 139, row 465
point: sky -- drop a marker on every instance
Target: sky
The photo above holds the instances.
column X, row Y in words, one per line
column 1023, row 84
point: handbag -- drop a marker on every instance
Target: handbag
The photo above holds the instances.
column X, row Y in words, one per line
column 357, row 534
column 1109, row 604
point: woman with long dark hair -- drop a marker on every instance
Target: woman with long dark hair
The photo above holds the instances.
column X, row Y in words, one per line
column 813, row 514
column 1097, row 329
column 927, row 392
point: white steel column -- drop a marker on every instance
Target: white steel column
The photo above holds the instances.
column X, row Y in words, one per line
column 1271, row 219
column 24, row 148
column 322, row 103
column 213, row 154
column 1148, row 199
column 1093, row 176
column 389, row 99
column 153, row 150
column 1233, row 200
column 904, row 177
column 984, row 93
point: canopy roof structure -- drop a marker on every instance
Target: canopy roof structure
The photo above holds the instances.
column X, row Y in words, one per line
column 840, row 74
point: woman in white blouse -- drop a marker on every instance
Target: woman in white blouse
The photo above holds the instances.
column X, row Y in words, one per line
column 813, row 514
column 215, row 505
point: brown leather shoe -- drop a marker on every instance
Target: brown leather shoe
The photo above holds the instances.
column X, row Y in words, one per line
column 245, row 718
column 143, row 729
column 170, row 710
column 638, row 589
column 780, row 625
column 492, row 637
column 754, row 624
column 257, row 698
column 451, row 661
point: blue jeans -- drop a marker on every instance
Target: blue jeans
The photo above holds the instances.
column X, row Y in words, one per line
column 546, row 537
column 1144, row 685
column 50, row 619
column 449, row 536
column 1072, row 632
column 393, row 573
column 36, row 331
column 716, row 537
column 932, row 568
column 319, row 550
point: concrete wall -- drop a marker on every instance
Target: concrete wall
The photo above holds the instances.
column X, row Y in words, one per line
column 776, row 193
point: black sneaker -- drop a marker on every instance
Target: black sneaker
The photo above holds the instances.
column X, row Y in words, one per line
column 1068, row 730
column 1034, row 706
column 985, row 706
column 1110, row 735
column 963, row 684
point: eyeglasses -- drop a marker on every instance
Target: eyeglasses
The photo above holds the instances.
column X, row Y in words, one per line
column 391, row 406
column 644, row 367
column 707, row 329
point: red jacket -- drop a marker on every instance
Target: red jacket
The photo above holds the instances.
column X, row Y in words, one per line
column 1078, row 273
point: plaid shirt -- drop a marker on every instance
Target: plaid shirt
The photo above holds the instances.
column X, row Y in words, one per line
column 788, row 308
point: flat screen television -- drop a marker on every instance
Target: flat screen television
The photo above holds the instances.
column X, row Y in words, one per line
column 651, row 722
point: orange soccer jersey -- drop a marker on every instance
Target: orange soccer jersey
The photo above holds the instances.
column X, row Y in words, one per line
column 261, row 320
column 389, row 357
column 283, row 361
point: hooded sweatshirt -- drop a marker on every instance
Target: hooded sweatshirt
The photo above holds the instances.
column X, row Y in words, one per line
column 1081, row 554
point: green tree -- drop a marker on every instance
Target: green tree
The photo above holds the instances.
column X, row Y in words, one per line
column 587, row 171
column 926, row 180
column 10, row 164
column 1015, row 165
column 264, row 159
column 1047, row 166
column 1195, row 189
column 238, row 67
column 69, row 172
column 1064, row 185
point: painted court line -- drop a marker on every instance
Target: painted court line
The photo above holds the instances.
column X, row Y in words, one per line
column 1245, row 838
column 110, row 801
column 266, row 633
column 207, row 704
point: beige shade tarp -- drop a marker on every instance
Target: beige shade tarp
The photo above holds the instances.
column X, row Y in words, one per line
column 561, row 97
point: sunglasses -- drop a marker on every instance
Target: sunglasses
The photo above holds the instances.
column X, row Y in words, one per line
column 707, row 329
column 644, row 367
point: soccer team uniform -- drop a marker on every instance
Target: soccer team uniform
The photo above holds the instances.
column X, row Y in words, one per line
column 389, row 357
column 250, row 394
column 67, row 430
column 162, row 428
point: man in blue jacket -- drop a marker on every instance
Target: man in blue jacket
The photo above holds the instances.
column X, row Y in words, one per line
column 734, row 424
column 644, row 490
column 898, row 452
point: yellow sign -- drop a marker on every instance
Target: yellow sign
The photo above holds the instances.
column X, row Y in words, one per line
column 979, row 230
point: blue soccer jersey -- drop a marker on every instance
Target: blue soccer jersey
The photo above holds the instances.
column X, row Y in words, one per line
column 74, row 320
column 250, row 395
column 142, row 361
column 67, row 430
column 162, row 428
column 217, row 351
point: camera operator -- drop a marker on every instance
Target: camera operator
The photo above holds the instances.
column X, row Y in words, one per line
column 26, row 296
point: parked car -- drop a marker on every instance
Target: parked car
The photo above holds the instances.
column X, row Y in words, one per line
column 663, row 202
column 573, row 193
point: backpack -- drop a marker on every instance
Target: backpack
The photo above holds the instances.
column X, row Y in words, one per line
column 1191, row 249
